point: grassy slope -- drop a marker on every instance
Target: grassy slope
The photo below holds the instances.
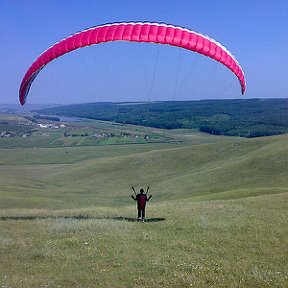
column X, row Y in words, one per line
column 229, row 169
column 232, row 243
column 187, row 243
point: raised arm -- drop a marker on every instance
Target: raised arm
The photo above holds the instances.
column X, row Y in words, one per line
column 148, row 197
column 134, row 196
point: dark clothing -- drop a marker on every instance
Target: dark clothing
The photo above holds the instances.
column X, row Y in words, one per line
column 141, row 199
column 141, row 213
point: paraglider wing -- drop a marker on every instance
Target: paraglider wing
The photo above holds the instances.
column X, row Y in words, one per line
column 136, row 32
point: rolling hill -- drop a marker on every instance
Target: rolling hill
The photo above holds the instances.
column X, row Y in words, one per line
column 237, row 117
column 221, row 170
column 67, row 219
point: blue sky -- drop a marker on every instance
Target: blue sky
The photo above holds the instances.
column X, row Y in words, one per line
column 254, row 31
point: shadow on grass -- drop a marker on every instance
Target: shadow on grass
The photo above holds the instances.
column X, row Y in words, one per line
column 78, row 217
column 136, row 220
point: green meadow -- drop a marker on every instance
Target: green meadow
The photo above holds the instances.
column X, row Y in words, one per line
column 217, row 218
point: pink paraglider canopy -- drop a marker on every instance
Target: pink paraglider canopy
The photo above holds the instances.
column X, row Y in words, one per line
column 136, row 32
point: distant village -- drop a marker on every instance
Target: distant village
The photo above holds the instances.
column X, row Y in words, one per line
column 7, row 134
column 68, row 134
column 53, row 126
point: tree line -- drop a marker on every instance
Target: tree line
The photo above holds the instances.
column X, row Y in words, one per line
column 240, row 117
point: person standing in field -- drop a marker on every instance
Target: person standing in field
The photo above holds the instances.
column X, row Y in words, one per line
column 141, row 199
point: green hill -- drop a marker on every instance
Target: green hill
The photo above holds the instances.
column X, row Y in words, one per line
column 221, row 170
column 237, row 117
column 67, row 220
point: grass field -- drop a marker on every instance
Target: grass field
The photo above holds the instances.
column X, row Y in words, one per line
column 218, row 216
